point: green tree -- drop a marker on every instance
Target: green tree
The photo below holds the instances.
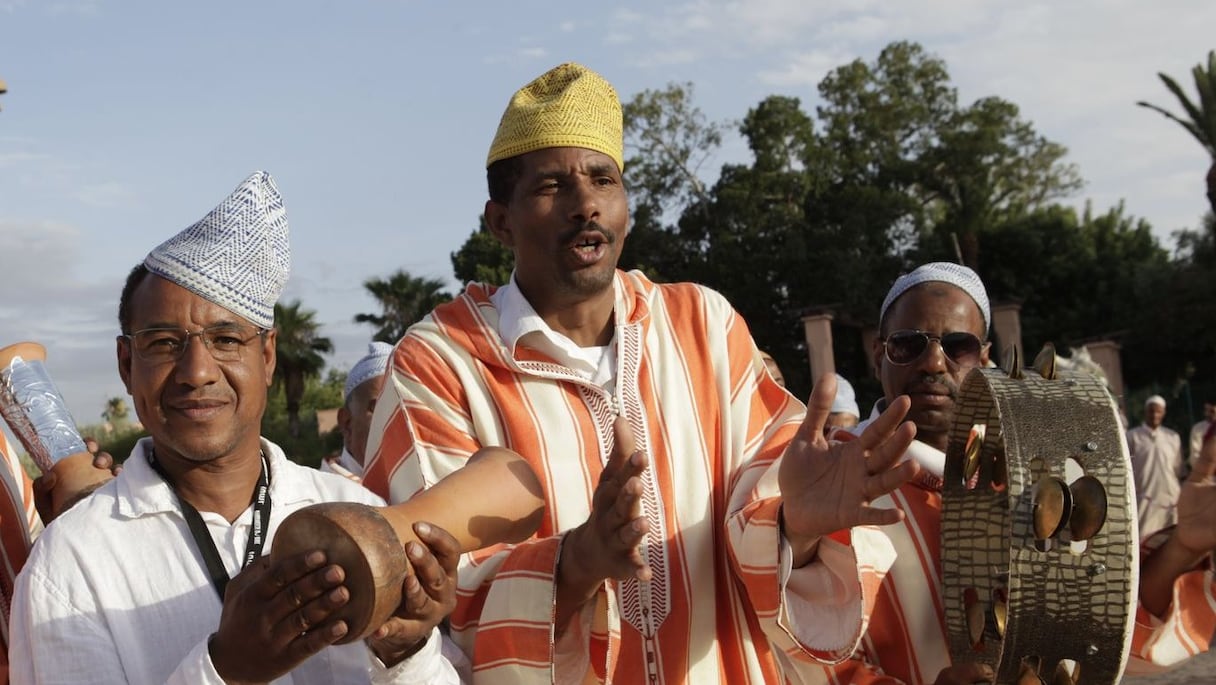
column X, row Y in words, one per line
column 298, row 349
column 1180, row 319
column 1077, row 278
column 404, row 299
column 897, row 125
column 668, row 141
column 1200, row 117
column 116, row 414
column 309, row 447
column 887, row 172
column 483, row 259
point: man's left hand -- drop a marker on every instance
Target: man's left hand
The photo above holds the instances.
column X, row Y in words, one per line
column 428, row 595
column 827, row 486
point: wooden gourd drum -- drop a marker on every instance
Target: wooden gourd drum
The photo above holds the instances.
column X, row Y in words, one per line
column 1039, row 533
column 495, row 498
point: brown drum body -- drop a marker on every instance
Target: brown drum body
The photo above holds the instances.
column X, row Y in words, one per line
column 1039, row 538
column 495, row 498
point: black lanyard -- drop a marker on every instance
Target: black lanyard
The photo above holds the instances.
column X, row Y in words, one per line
column 202, row 536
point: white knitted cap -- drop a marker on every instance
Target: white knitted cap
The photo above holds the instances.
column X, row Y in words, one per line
column 956, row 275
column 238, row 256
column 846, row 398
column 373, row 364
column 1155, row 399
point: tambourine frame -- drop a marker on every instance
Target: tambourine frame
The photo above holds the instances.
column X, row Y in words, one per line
column 1020, row 591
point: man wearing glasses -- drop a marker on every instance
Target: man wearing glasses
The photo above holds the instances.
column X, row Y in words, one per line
column 160, row 576
column 933, row 330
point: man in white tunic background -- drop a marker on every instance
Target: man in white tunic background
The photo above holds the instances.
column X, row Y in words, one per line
column 1157, row 466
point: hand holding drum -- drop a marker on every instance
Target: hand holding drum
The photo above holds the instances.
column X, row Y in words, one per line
column 495, row 498
column 39, row 418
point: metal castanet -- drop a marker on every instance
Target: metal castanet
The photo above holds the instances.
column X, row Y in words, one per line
column 495, row 498
column 35, row 411
column 1039, row 536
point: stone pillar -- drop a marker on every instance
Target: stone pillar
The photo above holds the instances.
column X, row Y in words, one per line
column 818, row 330
column 1105, row 354
column 869, row 335
column 1007, row 325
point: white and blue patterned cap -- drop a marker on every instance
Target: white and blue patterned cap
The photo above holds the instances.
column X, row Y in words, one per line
column 956, row 275
column 846, row 398
column 373, row 364
column 238, row 256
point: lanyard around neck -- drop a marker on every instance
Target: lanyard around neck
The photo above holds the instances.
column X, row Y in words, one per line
column 202, row 536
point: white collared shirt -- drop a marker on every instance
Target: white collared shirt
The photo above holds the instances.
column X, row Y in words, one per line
column 518, row 323
column 345, row 465
column 116, row 591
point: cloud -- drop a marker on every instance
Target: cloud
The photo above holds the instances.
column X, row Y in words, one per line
column 83, row 8
column 804, row 70
column 45, row 301
column 16, row 159
column 107, row 195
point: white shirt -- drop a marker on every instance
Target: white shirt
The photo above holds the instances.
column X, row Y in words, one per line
column 116, row 591
column 345, row 465
column 1196, row 442
column 518, row 322
column 1157, row 469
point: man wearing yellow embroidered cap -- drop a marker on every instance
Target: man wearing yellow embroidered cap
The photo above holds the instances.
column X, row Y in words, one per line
column 678, row 546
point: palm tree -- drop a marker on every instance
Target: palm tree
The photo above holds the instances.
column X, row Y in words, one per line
column 298, row 348
column 116, row 413
column 1200, row 118
column 404, row 299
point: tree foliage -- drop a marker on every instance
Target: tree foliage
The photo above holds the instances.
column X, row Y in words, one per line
column 483, row 259
column 404, row 300
column 298, row 349
column 1200, row 116
column 890, row 170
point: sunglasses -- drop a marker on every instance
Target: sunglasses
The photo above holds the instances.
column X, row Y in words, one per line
column 907, row 346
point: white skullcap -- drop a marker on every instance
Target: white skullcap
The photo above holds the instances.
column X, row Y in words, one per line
column 373, row 364
column 237, row 256
column 846, row 399
column 956, row 275
column 1155, row 399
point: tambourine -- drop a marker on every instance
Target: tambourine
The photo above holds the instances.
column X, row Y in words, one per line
column 495, row 498
column 35, row 411
column 1039, row 538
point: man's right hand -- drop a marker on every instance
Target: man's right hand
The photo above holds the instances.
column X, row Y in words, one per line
column 608, row 544
column 50, row 490
column 275, row 617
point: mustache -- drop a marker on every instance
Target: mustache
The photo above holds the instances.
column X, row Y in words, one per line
column 593, row 226
column 936, row 381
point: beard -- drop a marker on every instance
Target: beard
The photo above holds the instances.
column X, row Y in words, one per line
column 593, row 279
column 933, row 417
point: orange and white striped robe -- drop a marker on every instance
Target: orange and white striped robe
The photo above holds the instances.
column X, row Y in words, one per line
column 19, row 524
column 690, row 382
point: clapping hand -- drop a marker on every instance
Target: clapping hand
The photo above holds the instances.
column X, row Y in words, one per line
column 828, row 486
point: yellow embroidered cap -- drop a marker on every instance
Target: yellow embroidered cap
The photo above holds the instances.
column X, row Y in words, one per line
column 567, row 106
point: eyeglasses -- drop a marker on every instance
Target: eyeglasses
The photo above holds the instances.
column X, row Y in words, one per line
column 225, row 341
column 907, row 346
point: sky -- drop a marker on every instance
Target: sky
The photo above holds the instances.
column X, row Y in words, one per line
column 128, row 120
